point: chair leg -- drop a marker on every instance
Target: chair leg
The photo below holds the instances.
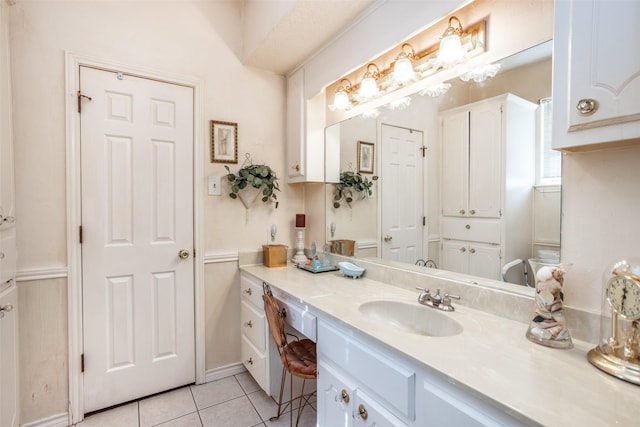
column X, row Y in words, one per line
column 300, row 405
column 282, row 380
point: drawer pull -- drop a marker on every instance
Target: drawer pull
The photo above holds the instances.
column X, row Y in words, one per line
column 248, row 291
column 463, row 249
column 362, row 412
column 7, row 308
column 462, row 211
column 343, row 397
column 467, row 226
column 250, row 361
column 472, row 211
column 473, row 251
column 248, row 324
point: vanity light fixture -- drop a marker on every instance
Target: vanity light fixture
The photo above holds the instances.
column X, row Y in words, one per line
column 436, row 90
column 403, row 66
column 480, row 74
column 371, row 114
column 399, row 104
column 451, row 49
column 341, row 101
column 369, row 85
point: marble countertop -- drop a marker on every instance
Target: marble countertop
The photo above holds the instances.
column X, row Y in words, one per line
column 491, row 357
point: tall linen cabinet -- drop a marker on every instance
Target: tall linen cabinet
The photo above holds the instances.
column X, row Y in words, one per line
column 488, row 159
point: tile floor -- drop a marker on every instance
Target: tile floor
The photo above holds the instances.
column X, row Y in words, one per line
column 235, row 401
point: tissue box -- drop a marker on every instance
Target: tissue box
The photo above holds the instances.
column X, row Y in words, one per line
column 343, row 247
column 274, row 255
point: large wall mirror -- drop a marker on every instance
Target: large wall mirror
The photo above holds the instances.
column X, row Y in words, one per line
column 413, row 189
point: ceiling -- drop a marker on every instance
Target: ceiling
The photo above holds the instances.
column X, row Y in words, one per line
column 302, row 30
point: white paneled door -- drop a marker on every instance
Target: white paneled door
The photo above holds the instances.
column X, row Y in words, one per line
column 402, row 194
column 137, row 237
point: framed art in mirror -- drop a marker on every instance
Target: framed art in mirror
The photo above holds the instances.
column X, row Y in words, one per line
column 224, row 142
column 365, row 157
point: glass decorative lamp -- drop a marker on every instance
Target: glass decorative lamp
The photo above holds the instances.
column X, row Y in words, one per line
column 451, row 49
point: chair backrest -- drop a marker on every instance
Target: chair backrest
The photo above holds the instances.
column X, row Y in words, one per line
column 275, row 317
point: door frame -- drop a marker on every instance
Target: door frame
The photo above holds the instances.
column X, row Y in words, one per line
column 73, row 62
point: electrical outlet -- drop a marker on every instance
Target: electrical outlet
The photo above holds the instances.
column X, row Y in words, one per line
column 213, row 185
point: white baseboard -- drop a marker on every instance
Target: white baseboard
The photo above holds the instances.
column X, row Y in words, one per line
column 59, row 420
column 224, row 372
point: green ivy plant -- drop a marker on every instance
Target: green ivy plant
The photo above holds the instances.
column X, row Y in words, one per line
column 257, row 176
column 351, row 185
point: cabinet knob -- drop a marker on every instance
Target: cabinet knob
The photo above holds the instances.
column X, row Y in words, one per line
column 7, row 219
column 362, row 412
column 468, row 226
column 248, row 324
column 343, row 397
column 388, row 238
column 587, row 106
column 463, row 249
column 472, row 211
column 473, row 251
column 7, row 308
column 250, row 361
column 462, row 211
column 248, row 291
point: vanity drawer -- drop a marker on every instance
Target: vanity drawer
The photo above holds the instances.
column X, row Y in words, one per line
column 255, row 362
column 393, row 383
column 298, row 317
column 251, row 290
column 474, row 230
column 253, row 325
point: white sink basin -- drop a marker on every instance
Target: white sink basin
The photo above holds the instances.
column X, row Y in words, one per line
column 411, row 318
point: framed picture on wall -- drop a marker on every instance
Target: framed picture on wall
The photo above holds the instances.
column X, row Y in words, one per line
column 365, row 157
column 224, row 142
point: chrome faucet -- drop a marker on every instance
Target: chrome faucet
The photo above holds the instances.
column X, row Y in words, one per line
column 436, row 301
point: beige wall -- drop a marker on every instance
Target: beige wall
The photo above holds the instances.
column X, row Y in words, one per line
column 194, row 39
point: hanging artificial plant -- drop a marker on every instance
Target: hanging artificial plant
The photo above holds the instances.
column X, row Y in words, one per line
column 260, row 177
column 351, row 185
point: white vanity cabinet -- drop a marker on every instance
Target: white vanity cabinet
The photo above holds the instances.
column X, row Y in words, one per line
column 305, row 146
column 255, row 331
column 358, row 386
column 488, row 148
column 596, row 73
column 258, row 350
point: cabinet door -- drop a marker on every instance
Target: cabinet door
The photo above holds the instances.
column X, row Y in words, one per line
column 595, row 58
column 455, row 163
column 485, row 160
column 335, row 395
column 484, row 261
column 296, row 125
column 9, row 358
column 454, row 256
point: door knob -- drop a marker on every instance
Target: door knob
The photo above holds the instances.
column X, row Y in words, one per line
column 387, row 238
column 183, row 254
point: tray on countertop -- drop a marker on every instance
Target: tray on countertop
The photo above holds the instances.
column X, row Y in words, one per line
column 322, row 269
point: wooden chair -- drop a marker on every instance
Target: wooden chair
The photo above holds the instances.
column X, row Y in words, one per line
column 298, row 356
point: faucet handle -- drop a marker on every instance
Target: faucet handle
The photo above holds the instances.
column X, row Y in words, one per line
column 446, row 302
column 423, row 289
column 451, row 296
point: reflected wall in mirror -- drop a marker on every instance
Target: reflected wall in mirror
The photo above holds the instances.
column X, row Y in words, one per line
column 408, row 192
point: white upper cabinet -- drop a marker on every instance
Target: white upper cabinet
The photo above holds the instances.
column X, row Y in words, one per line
column 596, row 76
column 304, row 130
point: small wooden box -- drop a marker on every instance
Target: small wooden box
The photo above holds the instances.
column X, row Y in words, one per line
column 274, row 255
column 343, row 247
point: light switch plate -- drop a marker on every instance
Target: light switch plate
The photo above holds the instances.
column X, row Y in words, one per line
column 213, row 185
